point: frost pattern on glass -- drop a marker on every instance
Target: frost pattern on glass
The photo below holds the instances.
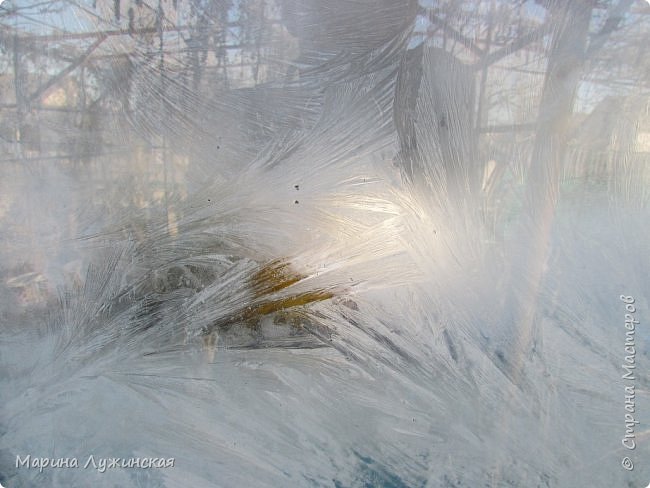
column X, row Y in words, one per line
column 372, row 243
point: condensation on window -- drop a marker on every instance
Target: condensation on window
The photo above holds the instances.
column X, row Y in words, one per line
column 337, row 243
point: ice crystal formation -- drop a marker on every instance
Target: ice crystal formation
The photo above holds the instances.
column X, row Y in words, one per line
column 373, row 243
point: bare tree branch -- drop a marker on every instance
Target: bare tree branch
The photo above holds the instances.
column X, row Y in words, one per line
column 69, row 69
column 469, row 44
column 611, row 24
column 514, row 46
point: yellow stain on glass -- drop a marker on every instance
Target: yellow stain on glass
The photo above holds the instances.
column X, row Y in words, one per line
column 272, row 278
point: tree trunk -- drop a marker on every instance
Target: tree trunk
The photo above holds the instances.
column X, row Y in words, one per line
column 565, row 62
